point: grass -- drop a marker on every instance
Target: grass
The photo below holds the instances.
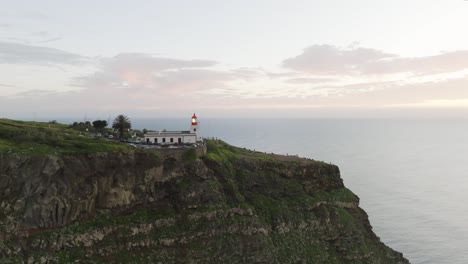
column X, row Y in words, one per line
column 37, row 138
column 220, row 151
column 278, row 192
column 337, row 195
column 190, row 155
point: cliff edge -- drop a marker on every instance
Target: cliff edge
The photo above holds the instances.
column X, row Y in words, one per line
column 230, row 205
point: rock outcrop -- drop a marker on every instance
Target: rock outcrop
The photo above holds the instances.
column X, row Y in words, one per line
column 228, row 206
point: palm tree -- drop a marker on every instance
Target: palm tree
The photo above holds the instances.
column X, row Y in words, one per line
column 121, row 123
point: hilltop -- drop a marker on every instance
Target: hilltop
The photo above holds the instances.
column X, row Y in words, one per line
column 38, row 138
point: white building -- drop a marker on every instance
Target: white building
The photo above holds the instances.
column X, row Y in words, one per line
column 175, row 137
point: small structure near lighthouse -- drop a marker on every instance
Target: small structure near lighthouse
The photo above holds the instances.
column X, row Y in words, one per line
column 191, row 136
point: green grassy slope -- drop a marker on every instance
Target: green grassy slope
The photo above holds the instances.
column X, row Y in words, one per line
column 37, row 138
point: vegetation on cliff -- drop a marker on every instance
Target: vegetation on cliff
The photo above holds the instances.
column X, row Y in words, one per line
column 230, row 205
column 37, row 138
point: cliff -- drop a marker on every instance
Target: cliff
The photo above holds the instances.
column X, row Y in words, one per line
column 230, row 205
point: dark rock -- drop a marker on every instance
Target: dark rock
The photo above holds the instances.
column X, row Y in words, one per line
column 138, row 207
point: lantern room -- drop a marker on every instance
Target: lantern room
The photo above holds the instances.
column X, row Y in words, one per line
column 194, row 120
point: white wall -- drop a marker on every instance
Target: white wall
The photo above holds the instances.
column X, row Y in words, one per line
column 184, row 139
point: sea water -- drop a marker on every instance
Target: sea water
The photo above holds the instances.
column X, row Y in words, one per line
column 411, row 175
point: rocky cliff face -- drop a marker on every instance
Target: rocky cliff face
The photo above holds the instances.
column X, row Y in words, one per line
column 228, row 206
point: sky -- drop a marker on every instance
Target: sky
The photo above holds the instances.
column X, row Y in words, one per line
column 288, row 59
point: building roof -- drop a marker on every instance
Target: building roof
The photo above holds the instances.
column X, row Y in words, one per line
column 169, row 133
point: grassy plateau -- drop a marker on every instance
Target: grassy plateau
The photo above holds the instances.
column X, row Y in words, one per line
column 37, row 138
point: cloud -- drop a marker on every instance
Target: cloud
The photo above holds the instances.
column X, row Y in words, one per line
column 29, row 16
column 50, row 40
column 36, row 93
column 275, row 75
column 143, row 82
column 153, row 85
column 393, row 94
column 146, row 62
column 8, row 89
column 328, row 59
column 249, row 73
column 15, row 53
column 192, row 80
column 159, row 75
column 42, row 34
column 45, row 37
column 172, row 100
column 7, row 85
column 310, row 80
column 332, row 60
column 37, row 16
column 444, row 103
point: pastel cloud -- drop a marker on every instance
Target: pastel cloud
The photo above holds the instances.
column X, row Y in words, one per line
column 139, row 82
column 332, row 60
column 303, row 80
column 158, row 75
column 15, row 53
column 7, row 85
column 142, row 62
column 323, row 76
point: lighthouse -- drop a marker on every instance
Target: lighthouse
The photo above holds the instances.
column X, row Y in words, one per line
column 165, row 137
column 194, row 129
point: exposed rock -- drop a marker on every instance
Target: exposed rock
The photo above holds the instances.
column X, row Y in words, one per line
column 231, row 206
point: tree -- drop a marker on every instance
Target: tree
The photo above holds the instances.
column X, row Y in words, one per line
column 121, row 123
column 100, row 124
column 81, row 126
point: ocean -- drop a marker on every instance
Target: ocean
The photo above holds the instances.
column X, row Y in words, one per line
column 411, row 175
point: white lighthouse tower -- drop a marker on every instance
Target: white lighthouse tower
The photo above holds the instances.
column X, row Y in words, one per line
column 194, row 128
